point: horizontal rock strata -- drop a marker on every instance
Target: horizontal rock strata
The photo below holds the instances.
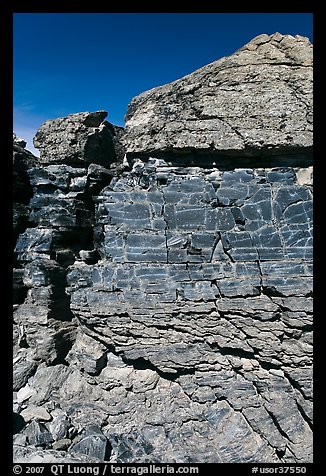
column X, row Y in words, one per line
column 163, row 304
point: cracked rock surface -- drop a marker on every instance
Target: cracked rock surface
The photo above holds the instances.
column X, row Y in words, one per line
column 257, row 100
column 163, row 305
column 79, row 138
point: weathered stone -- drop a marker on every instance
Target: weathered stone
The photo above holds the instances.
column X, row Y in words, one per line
column 37, row 434
column 19, row 141
column 20, row 440
column 33, row 412
column 30, row 454
column 33, row 313
column 78, row 138
column 163, row 306
column 87, row 354
column 64, row 177
column 59, row 427
column 49, row 344
column 59, row 213
column 25, row 393
column 34, row 243
column 20, row 218
column 61, row 444
column 22, row 161
column 258, row 98
column 21, row 373
column 93, row 443
column 22, row 190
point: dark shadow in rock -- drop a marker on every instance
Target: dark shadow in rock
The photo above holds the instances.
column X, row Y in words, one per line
column 18, row 423
column 60, row 306
column 224, row 160
column 19, row 289
column 63, row 344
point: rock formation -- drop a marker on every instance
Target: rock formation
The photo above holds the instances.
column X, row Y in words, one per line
column 258, row 100
column 81, row 138
column 163, row 304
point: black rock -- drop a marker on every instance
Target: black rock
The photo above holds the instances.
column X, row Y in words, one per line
column 38, row 434
column 93, row 443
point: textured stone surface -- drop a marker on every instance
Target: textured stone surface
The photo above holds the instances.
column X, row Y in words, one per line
column 257, row 100
column 22, row 189
column 33, row 412
column 22, row 370
column 37, row 434
column 163, row 308
column 59, row 427
column 93, row 443
column 87, row 354
column 78, row 138
column 28, row 454
column 199, row 304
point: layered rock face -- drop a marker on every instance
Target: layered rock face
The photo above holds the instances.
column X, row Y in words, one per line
column 165, row 305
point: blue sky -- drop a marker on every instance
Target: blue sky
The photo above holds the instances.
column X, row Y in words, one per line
column 70, row 62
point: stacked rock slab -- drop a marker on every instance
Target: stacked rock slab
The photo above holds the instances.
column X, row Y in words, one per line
column 58, row 230
column 178, row 287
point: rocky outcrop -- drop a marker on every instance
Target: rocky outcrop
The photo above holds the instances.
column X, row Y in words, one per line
column 22, row 193
column 22, row 189
column 167, row 305
column 81, row 138
column 258, row 100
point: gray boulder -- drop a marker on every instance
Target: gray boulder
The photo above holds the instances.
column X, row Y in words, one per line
column 259, row 98
column 92, row 443
column 81, row 138
column 38, row 434
column 21, row 373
